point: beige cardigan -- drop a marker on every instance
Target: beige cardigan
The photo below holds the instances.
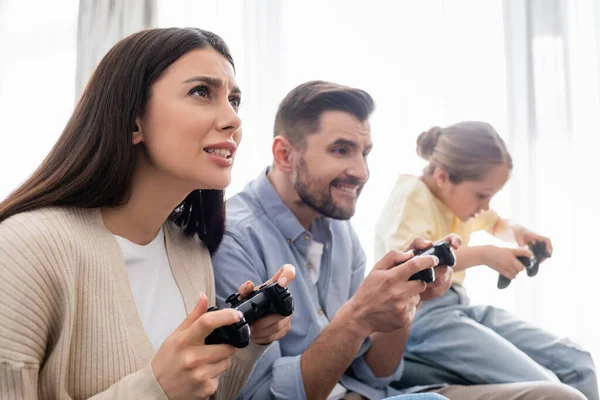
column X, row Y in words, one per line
column 69, row 326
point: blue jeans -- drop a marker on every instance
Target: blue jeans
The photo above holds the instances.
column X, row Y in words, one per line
column 487, row 345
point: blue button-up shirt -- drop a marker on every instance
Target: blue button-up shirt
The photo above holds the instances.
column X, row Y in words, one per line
column 262, row 235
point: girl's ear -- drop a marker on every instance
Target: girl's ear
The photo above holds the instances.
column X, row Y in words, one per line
column 441, row 177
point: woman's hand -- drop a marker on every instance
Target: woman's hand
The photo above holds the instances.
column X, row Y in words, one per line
column 184, row 366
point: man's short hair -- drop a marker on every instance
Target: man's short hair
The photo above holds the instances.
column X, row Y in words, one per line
column 300, row 111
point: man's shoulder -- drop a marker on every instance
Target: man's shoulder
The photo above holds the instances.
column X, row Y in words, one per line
column 243, row 210
column 250, row 235
column 248, row 225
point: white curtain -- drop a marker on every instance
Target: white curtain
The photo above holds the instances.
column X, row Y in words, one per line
column 42, row 48
column 101, row 25
column 554, row 121
column 37, row 66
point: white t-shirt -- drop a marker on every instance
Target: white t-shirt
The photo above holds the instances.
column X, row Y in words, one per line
column 156, row 294
column 313, row 258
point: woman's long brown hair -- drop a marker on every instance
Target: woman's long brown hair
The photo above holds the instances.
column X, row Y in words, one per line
column 91, row 164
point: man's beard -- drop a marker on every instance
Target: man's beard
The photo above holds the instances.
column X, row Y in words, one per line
column 317, row 195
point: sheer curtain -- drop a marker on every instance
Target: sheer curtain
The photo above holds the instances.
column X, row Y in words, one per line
column 43, row 47
column 554, row 120
column 37, row 66
column 101, row 25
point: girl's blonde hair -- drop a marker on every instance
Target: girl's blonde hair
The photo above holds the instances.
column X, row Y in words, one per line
column 466, row 150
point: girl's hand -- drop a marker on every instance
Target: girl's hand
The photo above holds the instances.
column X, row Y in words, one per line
column 504, row 260
column 525, row 237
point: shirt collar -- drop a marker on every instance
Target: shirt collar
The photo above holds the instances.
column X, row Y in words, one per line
column 277, row 210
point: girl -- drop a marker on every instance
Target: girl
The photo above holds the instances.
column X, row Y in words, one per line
column 468, row 165
column 105, row 250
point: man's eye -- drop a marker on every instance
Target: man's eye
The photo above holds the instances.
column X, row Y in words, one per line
column 340, row 150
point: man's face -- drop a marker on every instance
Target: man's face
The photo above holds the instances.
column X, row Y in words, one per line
column 332, row 169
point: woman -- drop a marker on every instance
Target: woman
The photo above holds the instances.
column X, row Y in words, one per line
column 105, row 249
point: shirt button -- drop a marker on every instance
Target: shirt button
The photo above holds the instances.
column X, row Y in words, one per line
column 288, row 241
column 307, row 236
column 320, row 311
column 309, row 265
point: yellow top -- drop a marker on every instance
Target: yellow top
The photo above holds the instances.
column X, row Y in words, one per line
column 412, row 210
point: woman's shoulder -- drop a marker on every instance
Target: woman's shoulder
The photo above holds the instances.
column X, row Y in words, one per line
column 40, row 257
column 49, row 220
column 46, row 230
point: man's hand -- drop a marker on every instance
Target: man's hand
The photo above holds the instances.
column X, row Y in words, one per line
column 443, row 273
column 386, row 300
column 441, row 284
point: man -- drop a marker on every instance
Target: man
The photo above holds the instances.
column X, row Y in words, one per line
column 347, row 332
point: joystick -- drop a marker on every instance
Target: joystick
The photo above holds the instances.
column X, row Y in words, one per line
column 443, row 251
column 267, row 299
column 531, row 265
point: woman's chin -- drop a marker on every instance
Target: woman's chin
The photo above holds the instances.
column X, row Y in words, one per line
column 215, row 184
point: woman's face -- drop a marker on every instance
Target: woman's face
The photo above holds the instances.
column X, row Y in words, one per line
column 191, row 129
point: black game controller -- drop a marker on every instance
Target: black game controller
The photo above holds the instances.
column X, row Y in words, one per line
column 441, row 250
column 532, row 264
column 265, row 300
column 237, row 334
